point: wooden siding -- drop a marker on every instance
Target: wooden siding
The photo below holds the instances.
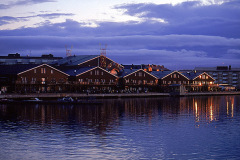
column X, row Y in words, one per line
column 203, row 79
column 97, row 76
column 140, row 77
column 43, row 74
column 174, row 78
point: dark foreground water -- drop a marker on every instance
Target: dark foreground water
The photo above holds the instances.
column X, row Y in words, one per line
column 151, row 128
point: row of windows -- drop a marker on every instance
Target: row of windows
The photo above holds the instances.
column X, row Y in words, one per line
column 175, row 82
column 140, row 74
column 96, row 80
column 96, row 72
column 138, row 81
column 43, row 71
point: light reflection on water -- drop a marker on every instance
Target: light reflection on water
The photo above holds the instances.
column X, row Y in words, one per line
column 161, row 128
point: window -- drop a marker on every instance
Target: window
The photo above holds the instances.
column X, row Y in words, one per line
column 140, row 74
column 33, row 79
column 96, row 72
column 174, row 82
column 43, row 70
column 96, row 80
column 102, row 73
column 127, row 80
column 203, row 76
column 35, row 71
column 135, row 74
column 144, row 75
column 90, row 72
column 174, row 76
column 206, row 77
column 51, row 71
column 43, row 80
column 80, row 80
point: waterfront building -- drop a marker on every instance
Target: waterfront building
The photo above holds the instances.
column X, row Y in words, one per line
column 200, row 81
column 42, row 78
column 138, row 80
column 13, row 59
column 91, row 79
column 225, row 76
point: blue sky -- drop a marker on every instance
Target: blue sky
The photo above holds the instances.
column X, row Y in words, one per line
column 179, row 34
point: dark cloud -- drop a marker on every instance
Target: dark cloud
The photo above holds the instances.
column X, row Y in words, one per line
column 195, row 35
column 7, row 19
column 191, row 17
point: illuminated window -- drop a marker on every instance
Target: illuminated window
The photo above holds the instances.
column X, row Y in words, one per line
column 206, row 77
column 43, row 80
column 203, row 76
column 43, row 70
column 174, row 76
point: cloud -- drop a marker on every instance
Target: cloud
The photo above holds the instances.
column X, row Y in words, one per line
column 7, row 19
column 23, row 2
column 191, row 17
column 192, row 34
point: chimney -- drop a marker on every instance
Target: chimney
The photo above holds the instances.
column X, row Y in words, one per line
column 230, row 67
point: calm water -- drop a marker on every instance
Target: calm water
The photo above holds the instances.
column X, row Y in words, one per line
column 151, row 128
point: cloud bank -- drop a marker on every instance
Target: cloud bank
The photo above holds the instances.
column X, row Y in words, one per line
column 178, row 36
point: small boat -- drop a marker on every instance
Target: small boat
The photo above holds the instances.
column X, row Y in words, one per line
column 66, row 99
column 33, row 100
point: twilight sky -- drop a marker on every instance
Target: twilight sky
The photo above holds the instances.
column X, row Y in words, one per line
column 179, row 34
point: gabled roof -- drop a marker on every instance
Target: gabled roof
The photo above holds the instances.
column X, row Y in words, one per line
column 164, row 74
column 41, row 66
column 93, row 69
column 161, row 74
column 75, row 70
column 193, row 75
column 75, row 60
column 129, row 72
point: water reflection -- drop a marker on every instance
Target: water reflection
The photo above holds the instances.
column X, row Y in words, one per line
column 100, row 118
column 161, row 128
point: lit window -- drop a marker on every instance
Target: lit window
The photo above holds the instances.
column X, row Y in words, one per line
column 43, row 70
column 43, row 80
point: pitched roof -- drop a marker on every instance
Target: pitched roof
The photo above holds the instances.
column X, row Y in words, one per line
column 161, row 74
column 75, row 70
column 74, row 60
column 127, row 72
column 192, row 75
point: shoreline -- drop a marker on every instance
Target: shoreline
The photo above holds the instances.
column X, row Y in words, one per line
column 113, row 95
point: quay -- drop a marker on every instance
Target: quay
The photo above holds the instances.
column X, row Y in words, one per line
column 112, row 95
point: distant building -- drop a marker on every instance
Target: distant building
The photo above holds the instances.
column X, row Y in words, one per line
column 13, row 59
column 223, row 75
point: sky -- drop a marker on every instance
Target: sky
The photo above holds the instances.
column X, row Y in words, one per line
column 179, row 34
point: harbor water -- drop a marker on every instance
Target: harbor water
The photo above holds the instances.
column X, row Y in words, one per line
column 204, row 127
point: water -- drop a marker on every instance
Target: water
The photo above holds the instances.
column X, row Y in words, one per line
column 147, row 128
